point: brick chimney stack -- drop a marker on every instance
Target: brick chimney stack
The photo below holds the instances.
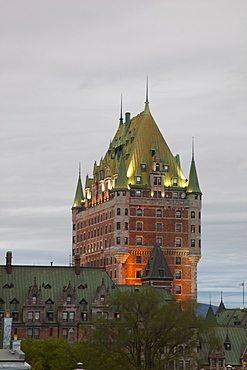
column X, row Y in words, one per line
column 9, row 262
column 77, row 264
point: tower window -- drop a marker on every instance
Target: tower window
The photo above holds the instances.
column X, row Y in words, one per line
column 166, row 168
column 192, row 228
column 118, row 225
column 192, row 214
column 126, row 211
column 159, row 241
column 157, row 167
column 175, row 182
column 192, row 243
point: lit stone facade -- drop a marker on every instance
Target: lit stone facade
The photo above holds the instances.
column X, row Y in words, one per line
column 139, row 197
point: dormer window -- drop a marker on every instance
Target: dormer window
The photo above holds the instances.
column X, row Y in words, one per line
column 102, row 298
column 157, row 180
column 166, row 168
column 143, row 167
column 175, row 181
column 138, row 180
column 34, row 299
column 69, row 299
column 157, row 167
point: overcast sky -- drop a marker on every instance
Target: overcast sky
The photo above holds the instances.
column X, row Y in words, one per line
column 64, row 65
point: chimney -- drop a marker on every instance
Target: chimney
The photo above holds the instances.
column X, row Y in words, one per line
column 77, row 264
column 127, row 119
column 8, row 262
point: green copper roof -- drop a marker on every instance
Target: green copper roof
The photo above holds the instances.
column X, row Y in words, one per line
column 193, row 185
column 157, row 267
column 210, row 317
column 122, row 181
column 78, row 195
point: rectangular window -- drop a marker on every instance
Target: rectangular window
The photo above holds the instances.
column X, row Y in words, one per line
column 118, row 225
column 192, row 228
column 175, row 182
column 30, row 316
column 126, row 225
column 126, row 240
column 175, row 195
column 178, row 228
column 139, row 240
column 71, row 316
column 157, row 180
column 84, row 316
column 65, row 316
column 158, row 213
column 166, row 168
column 178, row 275
column 187, row 365
column 178, row 242
column 159, row 241
column 138, row 259
column 64, row 333
column 143, row 167
column 37, row 316
column 178, row 260
column 139, row 226
column 30, row 333
column 50, row 316
column 138, row 274
column 118, row 239
column 178, row 289
column 138, row 180
column 36, row 333
column 15, row 316
column 138, row 193
column 157, row 194
column 192, row 243
column 159, row 227
column 178, row 214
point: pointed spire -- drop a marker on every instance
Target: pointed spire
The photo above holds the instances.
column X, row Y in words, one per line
column 210, row 318
column 121, row 112
column 221, row 306
column 146, row 110
column 79, row 192
column 193, row 184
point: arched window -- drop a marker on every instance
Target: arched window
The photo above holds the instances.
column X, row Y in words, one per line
column 192, row 214
column 157, row 167
column 118, row 211
column 68, row 299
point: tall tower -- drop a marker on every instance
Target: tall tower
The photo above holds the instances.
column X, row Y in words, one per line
column 138, row 197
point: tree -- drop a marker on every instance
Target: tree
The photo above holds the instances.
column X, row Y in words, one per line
column 147, row 332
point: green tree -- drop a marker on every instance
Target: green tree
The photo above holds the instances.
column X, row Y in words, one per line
column 149, row 333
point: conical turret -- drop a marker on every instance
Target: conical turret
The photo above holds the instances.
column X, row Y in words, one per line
column 79, row 197
column 193, row 185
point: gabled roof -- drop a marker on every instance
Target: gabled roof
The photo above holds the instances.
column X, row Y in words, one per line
column 157, row 267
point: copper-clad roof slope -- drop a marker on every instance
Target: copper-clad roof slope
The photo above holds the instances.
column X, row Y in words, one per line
column 193, row 186
column 142, row 136
column 220, row 308
column 210, row 317
column 78, row 195
column 156, row 264
column 122, row 182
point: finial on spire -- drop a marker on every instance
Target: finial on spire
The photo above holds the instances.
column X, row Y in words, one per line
column 79, row 169
column 193, row 147
column 121, row 112
column 146, row 91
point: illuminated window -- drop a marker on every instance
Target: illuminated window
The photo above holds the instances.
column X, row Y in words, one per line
column 37, row 316
column 138, row 193
column 118, row 225
column 166, row 168
column 138, row 274
column 192, row 214
column 192, row 228
column 175, row 182
column 138, row 180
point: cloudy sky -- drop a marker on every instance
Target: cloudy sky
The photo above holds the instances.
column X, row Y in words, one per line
column 64, row 65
